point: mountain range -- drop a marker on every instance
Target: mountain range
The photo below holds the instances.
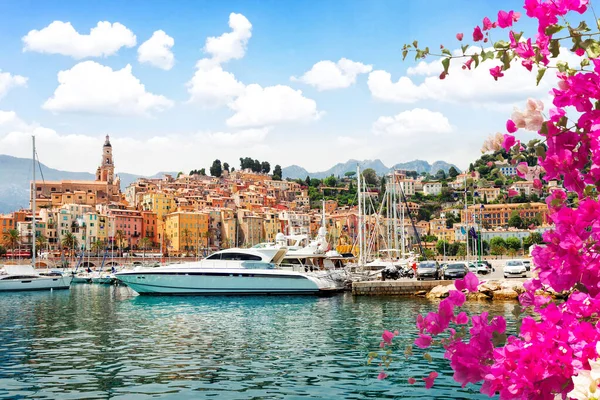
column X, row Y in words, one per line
column 15, row 175
column 420, row 166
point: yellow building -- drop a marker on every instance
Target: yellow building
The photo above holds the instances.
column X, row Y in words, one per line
column 162, row 204
column 186, row 231
column 271, row 225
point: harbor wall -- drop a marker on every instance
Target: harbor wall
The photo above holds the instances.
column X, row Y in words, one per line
column 395, row 288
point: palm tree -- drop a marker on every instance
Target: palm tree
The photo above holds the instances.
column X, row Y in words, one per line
column 69, row 242
column 40, row 242
column 185, row 236
column 97, row 247
column 119, row 237
column 207, row 235
column 12, row 239
column 145, row 242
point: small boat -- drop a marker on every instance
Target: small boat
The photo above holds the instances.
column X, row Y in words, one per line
column 103, row 278
column 25, row 277
column 82, row 278
column 227, row 272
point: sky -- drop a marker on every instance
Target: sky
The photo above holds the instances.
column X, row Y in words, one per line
column 312, row 83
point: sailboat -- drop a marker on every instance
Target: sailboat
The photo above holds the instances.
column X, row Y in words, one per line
column 25, row 277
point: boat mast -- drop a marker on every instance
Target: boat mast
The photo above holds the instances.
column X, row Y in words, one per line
column 33, row 196
column 466, row 221
column 360, row 218
column 395, row 215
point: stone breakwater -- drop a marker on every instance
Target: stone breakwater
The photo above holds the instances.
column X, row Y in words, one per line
column 487, row 290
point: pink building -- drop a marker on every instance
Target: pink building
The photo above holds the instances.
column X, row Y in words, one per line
column 130, row 223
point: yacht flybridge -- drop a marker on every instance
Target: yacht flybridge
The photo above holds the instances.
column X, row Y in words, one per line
column 231, row 271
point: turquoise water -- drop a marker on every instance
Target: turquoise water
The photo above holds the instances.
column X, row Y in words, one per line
column 99, row 342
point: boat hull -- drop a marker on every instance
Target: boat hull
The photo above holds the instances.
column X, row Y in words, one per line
column 234, row 282
column 105, row 280
column 29, row 284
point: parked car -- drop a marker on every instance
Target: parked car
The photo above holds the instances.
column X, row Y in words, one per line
column 483, row 268
column 428, row 269
column 456, row 270
column 515, row 268
column 527, row 264
column 473, row 268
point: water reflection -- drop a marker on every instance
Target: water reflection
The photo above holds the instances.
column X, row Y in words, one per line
column 99, row 342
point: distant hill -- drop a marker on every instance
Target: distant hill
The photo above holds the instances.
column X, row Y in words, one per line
column 420, row 166
column 15, row 175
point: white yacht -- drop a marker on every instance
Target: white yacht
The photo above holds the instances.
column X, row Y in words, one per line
column 24, row 277
column 231, row 271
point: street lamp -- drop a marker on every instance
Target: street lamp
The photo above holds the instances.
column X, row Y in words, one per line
column 481, row 231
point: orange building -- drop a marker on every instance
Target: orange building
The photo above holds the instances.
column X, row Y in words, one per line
column 150, row 226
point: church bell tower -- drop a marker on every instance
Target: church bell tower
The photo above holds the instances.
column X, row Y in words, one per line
column 106, row 170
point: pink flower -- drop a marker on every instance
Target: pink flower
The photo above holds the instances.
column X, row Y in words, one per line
column 430, row 379
column 382, row 375
column 510, row 126
column 467, row 64
column 537, row 184
column 496, row 72
column 477, row 34
column 488, row 24
column 580, row 52
column 505, row 19
column 461, row 318
column 509, row 142
column 387, row 336
column 411, row 381
column 469, row 282
column 423, row 341
column 512, row 193
column 490, row 164
column 459, row 36
column 525, row 50
column 522, row 169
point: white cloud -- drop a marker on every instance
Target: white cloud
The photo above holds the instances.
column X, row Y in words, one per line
column 8, row 81
column 61, row 38
column 349, row 141
column 230, row 45
column 90, row 87
column 259, row 106
column 412, row 123
column 475, row 87
column 326, row 75
column 211, row 86
column 79, row 152
column 156, row 51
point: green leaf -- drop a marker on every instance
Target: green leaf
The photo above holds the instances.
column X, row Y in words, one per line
column 552, row 29
column 464, row 48
column 475, row 58
column 501, row 44
column 532, row 143
column 404, row 54
column 373, row 354
column 446, row 64
column 556, row 202
column 506, row 59
column 544, row 128
column 487, row 55
column 446, row 52
column 540, row 151
column 554, row 48
column 415, row 44
column 585, row 62
column 592, row 49
column 428, row 357
column 582, row 27
column 540, row 75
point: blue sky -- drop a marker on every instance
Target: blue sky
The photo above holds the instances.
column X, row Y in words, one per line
column 247, row 104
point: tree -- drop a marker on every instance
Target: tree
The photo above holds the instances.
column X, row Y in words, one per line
column 179, row 174
column 265, row 167
column 515, row 220
column 69, row 242
column 226, row 167
column 97, row 247
column 440, row 175
column 256, row 166
column 144, row 244
column 11, row 239
column 533, row 238
column 497, row 246
column 119, row 238
column 513, row 244
column 442, row 247
column 452, row 172
column 277, row 174
column 330, row 181
column 40, row 242
column 350, row 174
column 370, row 176
column 202, row 172
column 216, row 169
column 307, row 181
column 2, row 250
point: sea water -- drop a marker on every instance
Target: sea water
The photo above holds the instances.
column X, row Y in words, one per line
column 99, row 342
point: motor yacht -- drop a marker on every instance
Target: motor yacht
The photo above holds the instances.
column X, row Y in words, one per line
column 25, row 277
column 231, row 271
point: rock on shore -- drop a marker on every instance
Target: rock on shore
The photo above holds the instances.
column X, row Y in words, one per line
column 499, row 290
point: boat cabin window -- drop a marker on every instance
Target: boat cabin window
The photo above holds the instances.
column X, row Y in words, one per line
column 235, row 257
